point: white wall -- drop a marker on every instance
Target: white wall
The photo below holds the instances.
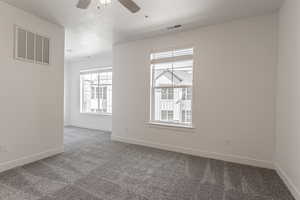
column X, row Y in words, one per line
column 288, row 96
column 92, row 121
column 66, row 94
column 31, row 117
column 234, row 92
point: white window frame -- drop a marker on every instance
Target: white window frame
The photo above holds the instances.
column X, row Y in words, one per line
column 101, row 69
column 160, row 123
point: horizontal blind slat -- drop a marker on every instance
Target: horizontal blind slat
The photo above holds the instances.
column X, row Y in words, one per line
column 172, row 53
column 172, row 59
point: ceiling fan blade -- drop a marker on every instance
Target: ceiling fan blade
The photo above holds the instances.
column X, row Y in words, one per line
column 83, row 4
column 130, row 5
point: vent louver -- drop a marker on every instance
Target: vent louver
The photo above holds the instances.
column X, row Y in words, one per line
column 31, row 47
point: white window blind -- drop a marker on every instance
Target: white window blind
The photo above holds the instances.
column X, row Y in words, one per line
column 171, row 86
column 96, row 91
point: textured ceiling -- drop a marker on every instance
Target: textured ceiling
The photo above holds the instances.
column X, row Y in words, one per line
column 92, row 31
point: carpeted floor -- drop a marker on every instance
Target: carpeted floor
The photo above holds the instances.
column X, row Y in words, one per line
column 95, row 168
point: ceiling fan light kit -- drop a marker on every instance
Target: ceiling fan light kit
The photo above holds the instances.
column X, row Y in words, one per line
column 129, row 4
column 104, row 3
column 83, row 4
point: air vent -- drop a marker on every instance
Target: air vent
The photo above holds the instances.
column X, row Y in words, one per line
column 31, row 47
column 170, row 28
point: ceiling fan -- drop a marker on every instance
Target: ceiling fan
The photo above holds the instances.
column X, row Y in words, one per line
column 129, row 4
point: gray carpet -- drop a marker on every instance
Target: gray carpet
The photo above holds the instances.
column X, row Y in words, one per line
column 95, row 168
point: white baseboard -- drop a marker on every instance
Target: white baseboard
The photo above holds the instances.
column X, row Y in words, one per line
column 288, row 181
column 29, row 159
column 196, row 152
column 86, row 127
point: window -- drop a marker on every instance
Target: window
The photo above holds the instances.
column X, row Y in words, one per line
column 92, row 92
column 171, row 86
column 186, row 116
column 96, row 91
column 102, row 92
column 167, row 115
column 187, row 93
column 167, row 93
column 31, row 47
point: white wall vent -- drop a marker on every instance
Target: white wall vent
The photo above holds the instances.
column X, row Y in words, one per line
column 31, row 47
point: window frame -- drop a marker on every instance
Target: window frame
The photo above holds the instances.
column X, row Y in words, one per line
column 95, row 70
column 151, row 107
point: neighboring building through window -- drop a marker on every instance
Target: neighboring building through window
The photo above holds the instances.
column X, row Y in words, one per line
column 167, row 93
column 171, row 86
column 93, row 92
column 186, row 116
column 187, row 93
column 96, row 91
column 167, row 115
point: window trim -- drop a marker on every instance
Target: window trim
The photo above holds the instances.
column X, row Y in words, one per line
column 170, row 125
column 87, row 71
column 98, row 113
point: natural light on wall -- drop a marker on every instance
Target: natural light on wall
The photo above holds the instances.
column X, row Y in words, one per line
column 96, row 91
column 172, row 87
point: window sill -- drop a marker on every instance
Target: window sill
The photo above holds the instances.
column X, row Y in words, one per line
column 170, row 126
column 96, row 114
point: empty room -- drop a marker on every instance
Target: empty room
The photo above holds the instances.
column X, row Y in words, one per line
column 150, row 100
